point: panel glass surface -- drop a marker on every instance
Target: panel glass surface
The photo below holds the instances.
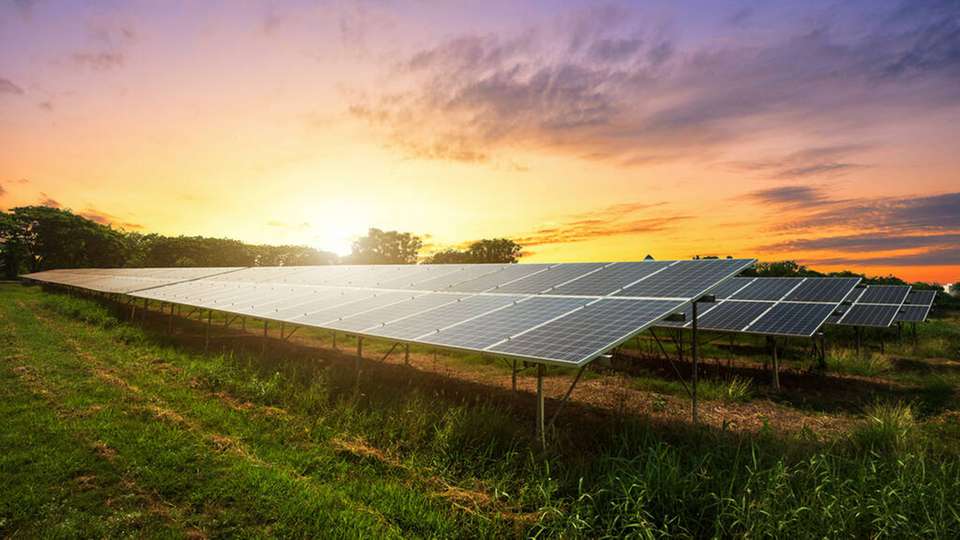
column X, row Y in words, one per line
column 328, row 315
column 884, row 294
column 542, row 282
column 729, row 316
column 912, row 314
column 582, row 334
column 787, row 319
column 684, row 279
column 488, row 329
column 771, row 289
column 331, row 297
column 492, row 280
column 870, row 315
column 444, row 282
column 832, row 290
column 729, row 287
column 417, row 325
column 611, row 278
column 921, row 298
column 379, row 317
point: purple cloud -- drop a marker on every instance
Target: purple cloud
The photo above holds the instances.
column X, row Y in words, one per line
column 7, row 87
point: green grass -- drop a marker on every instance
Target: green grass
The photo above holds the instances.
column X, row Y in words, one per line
column 868, row 364
column 111, row 430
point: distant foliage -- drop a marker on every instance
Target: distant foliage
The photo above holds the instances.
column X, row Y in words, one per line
column 386, row 247
column 35, row 238
column 493, row 250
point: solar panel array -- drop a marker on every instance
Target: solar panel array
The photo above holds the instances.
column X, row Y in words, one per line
column 770, row 306
column 873, row 305
column 916, row 307
column 560, row 313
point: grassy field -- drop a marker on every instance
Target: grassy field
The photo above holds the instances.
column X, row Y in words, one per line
column 113, row 428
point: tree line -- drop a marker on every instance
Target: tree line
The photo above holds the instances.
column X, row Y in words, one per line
column 36, row 238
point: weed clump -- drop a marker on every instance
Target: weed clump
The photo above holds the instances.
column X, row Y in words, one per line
column 888, row 427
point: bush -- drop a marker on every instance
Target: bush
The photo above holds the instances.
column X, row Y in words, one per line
column 889, row 427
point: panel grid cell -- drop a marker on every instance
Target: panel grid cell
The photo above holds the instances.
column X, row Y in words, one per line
column 324, row 316
column 793, row 319
column 610, row 279
column 770, row 289
column 729, row 316
column 396, row 311
column 880, row 316
column 884, row 294
column 828, row 290
column 684, row 279
column 912, row 314
column 578, row 336
column 493, row 279
column 543, row 281
column 443, row 316
column 493, row 327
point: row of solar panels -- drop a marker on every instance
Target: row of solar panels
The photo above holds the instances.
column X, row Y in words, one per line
column 801, row 306
column 562, row 313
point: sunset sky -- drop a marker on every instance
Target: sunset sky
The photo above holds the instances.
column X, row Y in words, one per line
column 827, row 132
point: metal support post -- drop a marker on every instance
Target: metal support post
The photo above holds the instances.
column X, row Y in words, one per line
column 170, row 321
column 695, row 356
column 406, row 354
column 540, row 433
column 776, row 363
column 206, row 333
column 359, row 355
column 857, row 330
column 513, row 376
column 566, row 397
column 263, row 346
column 146, row 308
column 334, row 341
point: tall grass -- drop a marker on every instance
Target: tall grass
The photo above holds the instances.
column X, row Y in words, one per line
column 869, row 364
column 889, row 477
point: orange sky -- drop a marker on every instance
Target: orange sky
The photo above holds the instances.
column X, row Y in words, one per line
column 587, row 132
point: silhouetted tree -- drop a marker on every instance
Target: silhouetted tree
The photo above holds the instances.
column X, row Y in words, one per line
column 449, row 256
column 386, row 247
column 495, row 250
column 781, row 269
column 38, row 238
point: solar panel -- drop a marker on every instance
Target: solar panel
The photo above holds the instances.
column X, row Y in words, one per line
column 582, row 334
column 542, row 282
column 878, row 315
column 732, row 316
column 324, row 316
column 767, row 289
column 884, row 294
column 773, row 306
column 916, row 307
column 731, row 286
column 832, row 290
column 921, row 298
column 610, row 279
column 912, row 314
column 378, row 317
column 503, row 276
column 793, row 319
column 415, row 326
column 498, row 325
column 682, row 279
column 561, row 313
column 445, row 281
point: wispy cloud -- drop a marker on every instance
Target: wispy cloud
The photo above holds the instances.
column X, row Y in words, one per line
column 613, row 220
column 104, row 218
column 103, row 60
column 826, row 161
column 7, row 87
column 624, row 90
column 866, row 243
column 935, row 257
column 928, row 213
column 46, row 200
column 791, row 197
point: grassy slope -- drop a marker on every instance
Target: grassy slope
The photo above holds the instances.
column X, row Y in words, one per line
column 113, row 431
